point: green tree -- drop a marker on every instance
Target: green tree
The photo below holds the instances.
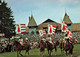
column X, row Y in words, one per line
column 7, row 23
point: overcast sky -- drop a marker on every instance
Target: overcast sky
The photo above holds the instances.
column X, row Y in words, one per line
column 44, row 9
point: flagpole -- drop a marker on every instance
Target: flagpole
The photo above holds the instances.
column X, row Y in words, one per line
column 61, row 35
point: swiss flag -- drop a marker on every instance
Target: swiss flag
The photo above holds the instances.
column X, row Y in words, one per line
column 64, row 26
column 42, row 32
column 51, row 29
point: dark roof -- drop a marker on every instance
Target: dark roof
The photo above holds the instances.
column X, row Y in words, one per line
column 32, row 22
column 67, row 19
column 48, row 20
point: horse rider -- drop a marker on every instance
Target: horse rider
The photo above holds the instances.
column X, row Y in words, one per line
column 26, row 39
column 43, row 39
column 49, row 39
column 21, row 41
column 66, row 39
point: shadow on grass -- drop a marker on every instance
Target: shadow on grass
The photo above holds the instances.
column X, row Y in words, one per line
column 42, row 56
column 46, row 56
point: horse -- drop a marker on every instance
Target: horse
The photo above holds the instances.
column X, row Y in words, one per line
column 42, row 47
column 19, row 47
column 50, row 47
column 67, row 46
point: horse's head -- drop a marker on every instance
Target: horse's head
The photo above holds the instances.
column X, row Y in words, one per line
column 48, row 44
column 41, row 41
column 16, row 43
column 57, row 42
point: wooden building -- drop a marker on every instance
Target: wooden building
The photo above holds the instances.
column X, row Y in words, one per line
column 33, row 28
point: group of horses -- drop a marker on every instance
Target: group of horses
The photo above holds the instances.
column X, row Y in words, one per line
column 42, row 45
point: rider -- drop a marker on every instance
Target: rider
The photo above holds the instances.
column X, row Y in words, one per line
column 21, row 41
column 66, row 38
column 26, row 39
column 43, row 39
column 49, row 39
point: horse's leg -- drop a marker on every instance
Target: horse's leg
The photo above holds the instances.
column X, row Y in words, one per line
column 40, row 53
column 55, row 50
column 28, row 52
column 66, row 53
column 20, row 53
column 25, row 53
column 70, row 52
column 43, row 53
column 17, row 54
column 50, row 53
column 61, row 50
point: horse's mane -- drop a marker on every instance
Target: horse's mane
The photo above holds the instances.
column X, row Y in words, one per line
column 48, row 43
column 42, row 41
column 16, row 42
column 57, row 42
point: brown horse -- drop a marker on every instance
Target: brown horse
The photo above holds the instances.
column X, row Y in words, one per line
column 19, row 47
column 50, row 47
column 42, row 47
column 68, row 46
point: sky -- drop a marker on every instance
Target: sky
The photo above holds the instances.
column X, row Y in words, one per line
column 44, row 9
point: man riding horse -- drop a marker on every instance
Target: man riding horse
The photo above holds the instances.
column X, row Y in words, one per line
column 49, row 39
column 21, row 41
column 67, row 46
column 66, row 39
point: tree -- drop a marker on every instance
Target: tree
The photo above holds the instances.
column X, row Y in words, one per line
column 7, row 23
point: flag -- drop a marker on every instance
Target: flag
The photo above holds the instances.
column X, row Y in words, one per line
column 42, row 32
column 20, row 28
column 67, row 31
column 17, row 29
column 51, row 29
column 64, row 26
column 69, row 34
column 23, row 28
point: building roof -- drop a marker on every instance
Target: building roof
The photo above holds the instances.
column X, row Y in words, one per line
column 67, row 19
column 48, row 21
column 75, row 27
column 45, row 25
column 32, row 21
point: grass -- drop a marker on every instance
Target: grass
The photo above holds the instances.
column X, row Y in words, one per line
column 36, row 53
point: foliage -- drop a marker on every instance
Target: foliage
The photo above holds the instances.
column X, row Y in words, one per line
column 7, row 25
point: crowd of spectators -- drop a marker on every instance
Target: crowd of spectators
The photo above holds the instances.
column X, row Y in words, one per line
column 8, row 46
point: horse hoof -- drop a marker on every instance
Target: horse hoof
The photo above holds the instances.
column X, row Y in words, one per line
column 21, row 55
column 71, row 55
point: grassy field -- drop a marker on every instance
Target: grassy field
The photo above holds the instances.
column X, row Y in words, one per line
column 36, row 53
